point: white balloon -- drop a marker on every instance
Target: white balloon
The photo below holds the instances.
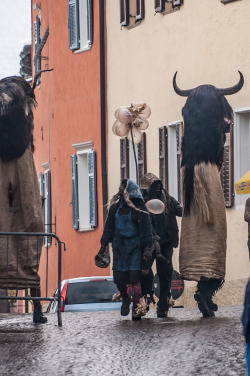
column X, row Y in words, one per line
column 118, row 109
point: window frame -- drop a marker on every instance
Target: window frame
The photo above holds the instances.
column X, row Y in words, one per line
column 80, row 24
column 86, row 156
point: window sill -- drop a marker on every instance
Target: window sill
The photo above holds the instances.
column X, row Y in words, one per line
column 86, row 229
column 227, row 1
column 132, row 26
column 165, row 12
column 83, row 49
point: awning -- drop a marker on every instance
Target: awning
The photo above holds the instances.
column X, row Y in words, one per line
column 242, row 186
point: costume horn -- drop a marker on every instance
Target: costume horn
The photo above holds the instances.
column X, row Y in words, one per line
column 227, row 91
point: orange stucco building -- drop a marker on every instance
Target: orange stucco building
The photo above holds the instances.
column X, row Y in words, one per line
column 70, row 131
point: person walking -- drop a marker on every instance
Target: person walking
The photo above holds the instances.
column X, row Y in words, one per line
column 128, row 228
column 247, row 219
column 246, row 324
column 165, row 230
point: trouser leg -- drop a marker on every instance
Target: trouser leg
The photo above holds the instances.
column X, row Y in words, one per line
column 164, row 271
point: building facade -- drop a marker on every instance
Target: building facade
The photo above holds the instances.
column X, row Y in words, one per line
column 206, row 42
column 70, row 132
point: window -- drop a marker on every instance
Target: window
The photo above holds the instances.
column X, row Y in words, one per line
column 241, row 149
column 80, row 24
column 175, row 133
column 127, row 159
column 37, row 41
column 83, row 183
column 163, row 156
column 166, row 6
column 45, row 192
column 131, row 12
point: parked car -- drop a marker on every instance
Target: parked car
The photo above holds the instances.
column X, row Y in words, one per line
column 86, row 294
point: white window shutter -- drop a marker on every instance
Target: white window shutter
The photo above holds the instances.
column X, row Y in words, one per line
column 90, row 22
column 74, row 192
column 48, row 221
column 92, row 188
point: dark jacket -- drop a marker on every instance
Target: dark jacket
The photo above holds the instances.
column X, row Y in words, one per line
column 172, row 207
column 246, row 314
column 141, row 220
column 247, row 214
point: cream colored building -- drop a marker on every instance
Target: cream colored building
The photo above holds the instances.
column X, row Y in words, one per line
column 206, row 41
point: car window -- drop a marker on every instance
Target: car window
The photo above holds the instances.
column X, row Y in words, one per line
column 90, row 292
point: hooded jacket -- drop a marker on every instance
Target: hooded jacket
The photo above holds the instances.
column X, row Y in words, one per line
column 172, row 207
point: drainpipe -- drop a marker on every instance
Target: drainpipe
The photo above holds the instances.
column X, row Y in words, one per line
column 103, row 106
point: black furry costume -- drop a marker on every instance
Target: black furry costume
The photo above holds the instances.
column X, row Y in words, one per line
column 207, row 117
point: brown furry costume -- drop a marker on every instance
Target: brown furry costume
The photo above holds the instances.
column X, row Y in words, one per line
column 202, row 256
column 21, row 208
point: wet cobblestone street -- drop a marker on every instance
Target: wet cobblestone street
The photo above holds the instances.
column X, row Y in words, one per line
column 104, row 343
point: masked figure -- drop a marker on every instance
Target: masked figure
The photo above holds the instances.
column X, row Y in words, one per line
column 128, row 227
column 21, row 207
column 165, row 232
column 207, row 117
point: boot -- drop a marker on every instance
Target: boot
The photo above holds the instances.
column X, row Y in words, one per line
column 125, row 306
column 211, row 305
column 38, row 316
column 202, row 304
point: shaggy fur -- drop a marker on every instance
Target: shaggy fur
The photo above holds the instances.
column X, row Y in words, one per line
column 206, row 117
column 17, row 101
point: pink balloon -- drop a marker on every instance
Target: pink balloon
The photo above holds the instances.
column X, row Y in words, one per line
column 144, row 114
column 124, row 115
column 137, row 135
column 144, row 124
column 155, row 206
column 121, row 129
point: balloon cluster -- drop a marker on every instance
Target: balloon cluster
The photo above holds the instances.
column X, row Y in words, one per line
column 131, row 121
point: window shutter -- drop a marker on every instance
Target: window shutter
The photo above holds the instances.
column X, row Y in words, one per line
column 176, row 3
column 142, row 157
column 179, row 134
column 163, row 156
column 92, row 188
column 124, row 158
column 74, row 192
column 48, row 221
column 124, row 12
column 90, row 21
column 226, row 173
column 73, row 24
column 140, row 10
column 37, row 40
column 159, row 6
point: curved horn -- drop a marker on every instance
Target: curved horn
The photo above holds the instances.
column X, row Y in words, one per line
column 233, row 89
column 182, row 93
column 37, row 75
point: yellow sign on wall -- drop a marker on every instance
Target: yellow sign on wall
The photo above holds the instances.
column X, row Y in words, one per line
column 242, row 186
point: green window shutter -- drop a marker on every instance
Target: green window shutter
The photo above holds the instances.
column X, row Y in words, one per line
column 163, row 156
column 124, row 12
column 48, row 219
column 37, row 41
column 226, row 173
column 92, row 188
column 73, row 24
column 74, row 192
column 140, row 10
column 142, row 157
column 159, row 6
column 90, row 21
column 124, row 158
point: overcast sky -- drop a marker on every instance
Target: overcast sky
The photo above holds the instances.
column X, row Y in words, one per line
column 15, row 32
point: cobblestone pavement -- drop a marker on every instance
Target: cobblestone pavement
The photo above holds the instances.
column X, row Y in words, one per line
column 104, row 344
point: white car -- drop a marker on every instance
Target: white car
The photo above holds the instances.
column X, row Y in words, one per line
column 86, row 294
